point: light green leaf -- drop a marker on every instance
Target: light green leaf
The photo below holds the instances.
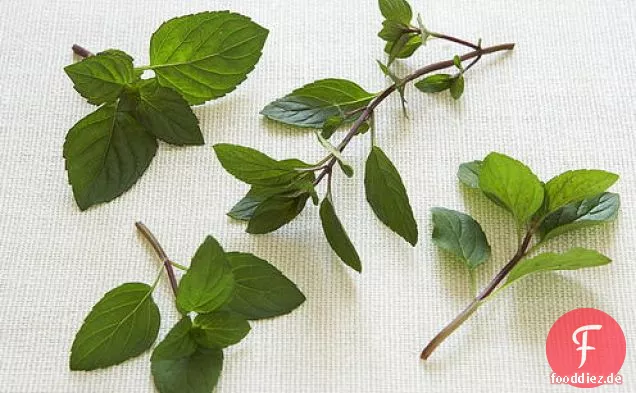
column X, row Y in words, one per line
column 205, row 56
column 435, row 83
column 512, row 185
column 262, row 291
column 196, row 373
column 103, row 77
column 166, row 115
column 573, row 259
column 344, row 165
column 403, row 48
column 106, row 152
column 468, row 173
column 276, row 211
column 122, row 325
column 387, row 196
column 219, row 329
column 457, row 61
column 392, row 30
column 461, row 235
column 208, row 284
column 396, row 10
column 177, row 344
column 397, row 81
column 312, row 104
column 457, row 86
column 588, row 212
column 573, row 186
column 337, row 236
column 331, row 125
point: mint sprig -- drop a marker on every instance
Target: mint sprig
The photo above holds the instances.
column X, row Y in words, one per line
column 567, row 202
column 280, row 188
column 109, row 150
column 223, row 291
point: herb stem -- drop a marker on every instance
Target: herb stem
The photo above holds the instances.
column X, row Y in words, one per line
column 81, row 51
column 143, row 229
column 368, row 110
column 451, row 38
column 479, row 299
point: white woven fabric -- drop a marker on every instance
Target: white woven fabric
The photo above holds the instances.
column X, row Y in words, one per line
column 564, row 99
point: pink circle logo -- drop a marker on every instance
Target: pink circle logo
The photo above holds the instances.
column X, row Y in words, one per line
column 586, row 348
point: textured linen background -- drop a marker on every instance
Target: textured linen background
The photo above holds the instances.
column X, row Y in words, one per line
column 563, row 99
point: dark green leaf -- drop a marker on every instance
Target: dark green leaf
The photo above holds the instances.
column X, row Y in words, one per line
column 166, row 115
column 262, row 291
column 205, row 56
column 122, row 325
column 461, row 235
column 276, row 211
column 512, row 185
column 196, row 373
column 331, row 125
column 404, row 48
column 573, row 259
column 573, row 186
column 244, row 209
column 312, row 104
column 106, row 152
column 387, row 196
column 208, row 284
column 337, row 236
column 457, row 86
column 219, row 329
column 103, row 77
column 396, row 10
column 468, row 173
column 392, row 30
column 177, row 344
column 435, row 83
column 588, row 212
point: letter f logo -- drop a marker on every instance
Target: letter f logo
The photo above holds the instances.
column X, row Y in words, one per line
column 583, row 344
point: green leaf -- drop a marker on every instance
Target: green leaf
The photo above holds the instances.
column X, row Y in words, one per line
column 196, row 373
column 337, row 236
column 311, row 105
column 588, row 212
column 244, row 209
column 457, row 86
column 403, row 48
column 177, row 344
column 398, row 82
column 396, row 10
column 392, row 30
column 253, row 167
column 262, row 291
column 573, row 186
column 468, row 173
column 573, row 259
column 106, row 152
column 166, row 115
column 461, row 235
column 208, row 284
column 207, row 55
column 387, row 196
column 344, row 165
column 219, row 329
column 457, row 61
column 331, row 125
column 122, row 325
column 276, row 211
column 512, row 185
column 435, row 83
column 103, row 77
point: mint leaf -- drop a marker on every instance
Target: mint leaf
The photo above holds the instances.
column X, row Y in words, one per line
column 337, row 236
column 122, row 325
column 244, row 209
column 457, row 86
column 206, row 55
column 262, row 291
column 575, row 258
column 208, row 284
column 468, row 173
column 461, row 235
column 511, row 184
column 435, row 83
column 397, row 81
column 311, row 105
column 387, row 196
column 166, row 115
column 392, row 30
column 588, row 212
column 403, row 47
column 396, row 10
column 331, row 125
column 177, row 344
column 219, row 329
column 106, row 152
column 276, row 211
column 196, row 373
column 573, row 186
column 103, row 77
column 253, row 167
column 344, row 165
